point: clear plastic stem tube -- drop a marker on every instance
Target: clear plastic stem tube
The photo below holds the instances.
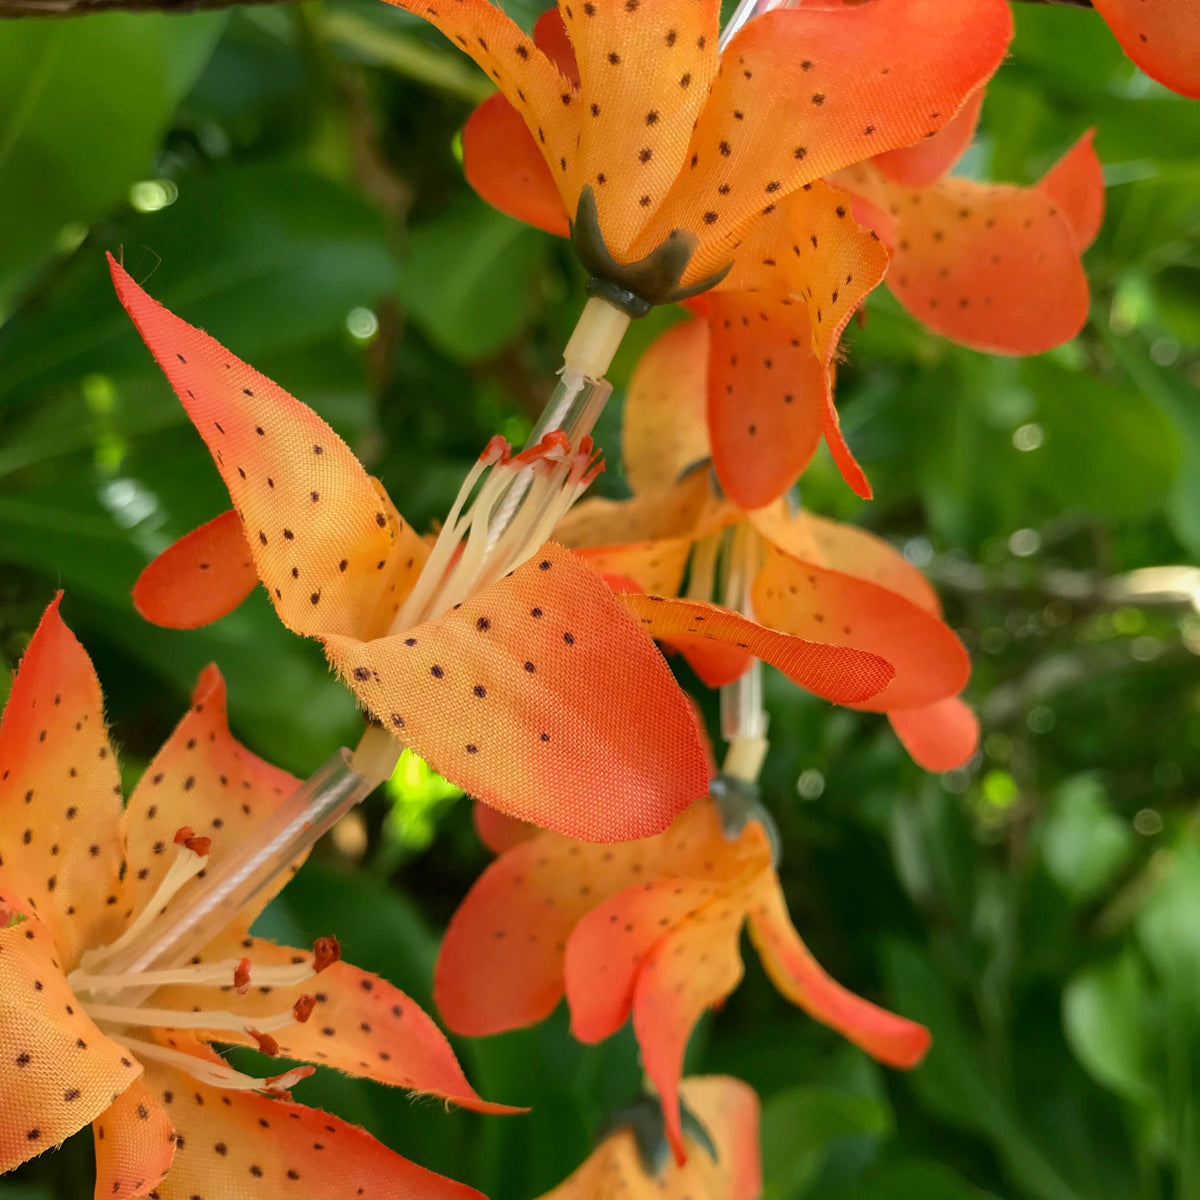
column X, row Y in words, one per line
column 743, row 714
column 348, row 778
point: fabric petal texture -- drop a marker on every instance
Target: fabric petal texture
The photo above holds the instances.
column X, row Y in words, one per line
column 57, row 1070
column 837, row 673
column 871, row 78
column 925, row 163
column 205, row 575
column 242, row 1144
column 1161, row 36
column 321, row 531
column 134, row 1142
column 532, row 695
column 60, row 793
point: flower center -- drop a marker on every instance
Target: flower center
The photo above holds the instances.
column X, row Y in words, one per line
column 518, row 500
column 116, row 997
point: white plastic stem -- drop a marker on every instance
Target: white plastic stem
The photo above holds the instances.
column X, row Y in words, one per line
column 744, row 718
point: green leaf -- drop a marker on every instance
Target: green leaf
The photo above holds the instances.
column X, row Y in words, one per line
column 1104, row 1014
column 83, row 106
column 799, row 1127
column 913, row 1180
column 468, row 278
column 1084, row 843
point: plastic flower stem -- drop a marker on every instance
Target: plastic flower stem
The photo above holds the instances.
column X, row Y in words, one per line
column 743, row 715
column 348, row 778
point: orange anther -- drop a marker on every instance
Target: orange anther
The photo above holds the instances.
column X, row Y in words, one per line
column 497, row 450
column 303, row 1008
column 326, row 951
column 266, row 1043
column 241, row 977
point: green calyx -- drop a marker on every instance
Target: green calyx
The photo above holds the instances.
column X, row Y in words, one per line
column 635, row 288
column 644, row 1118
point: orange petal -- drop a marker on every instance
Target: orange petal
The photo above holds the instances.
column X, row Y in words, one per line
column 134, row 1144
column 804, row 600
column 58, row 1070
column 240, row 1144
column 767, row 393
column 322, row 534
column 846, row 548
column 360, row 1023
column 991, row 266
column 1076, row 185
column 695, row 967
column 60, row 793
column 504, row 165
column 498, row 832
column 649, row 566
column 199, row 579
column 610, row 948
column 939, row 736
column 551, row 37
column 539, row 696
column 644, row 71
column 729, row 1110
column 1161, row 36
column 871, row 78
column 665, row 430
column 920, row 165
column 521, row 70
column 501, row 961
column 893, row 1040
column 837, row 673
column 205, row 779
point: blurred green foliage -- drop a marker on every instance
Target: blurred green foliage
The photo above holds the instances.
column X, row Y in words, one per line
column 288, row 178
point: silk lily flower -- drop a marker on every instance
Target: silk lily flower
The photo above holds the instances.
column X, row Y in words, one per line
column 794, row 270
column 676, row 544
column 648, row 927
column 664, row 155
column 993, row 266
column 723, row 1159
column 503, row 660
column 1161, row 36
column 84, row 1038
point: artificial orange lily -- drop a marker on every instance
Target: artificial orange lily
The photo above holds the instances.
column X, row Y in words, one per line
column 803, row 576
column 993, row 266
column 649, row 927
column 665, row 155
column 510, row 667
column 790, row 273
column 88, row 1035
column 723, row 1157
column 1161, row 36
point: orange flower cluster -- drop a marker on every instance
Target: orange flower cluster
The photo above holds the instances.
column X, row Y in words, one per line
column 770, row 180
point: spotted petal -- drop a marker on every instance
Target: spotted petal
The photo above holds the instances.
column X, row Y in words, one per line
column 498, row 832
column 57, row 1070
column 1076, row 185
column 200, row 578
column 202, row 778
column 645, row 69
column 836, row 672
column 920, row 165
column 134, row 1144
column 333, row 553
column 807, row 601
column 60, row 794
column 539, row 695
column 242, row 1144
column 1161, row 36
column 940, row 736
column 893, row 1040
column 360, row 1023
column 805, row 91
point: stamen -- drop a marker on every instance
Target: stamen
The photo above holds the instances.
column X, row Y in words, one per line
column 218, row 974
column 266, row 1043
column 187, row 865
column 303, row 1008
column 241, row 977
column 704, row 568
column 170, row 1018
column 185, row 835
column 219, row 1075
column 326, row 951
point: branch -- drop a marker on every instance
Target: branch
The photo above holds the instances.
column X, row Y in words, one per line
column 81, row 8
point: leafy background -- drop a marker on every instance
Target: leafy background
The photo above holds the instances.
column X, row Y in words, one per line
column 289, row 178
